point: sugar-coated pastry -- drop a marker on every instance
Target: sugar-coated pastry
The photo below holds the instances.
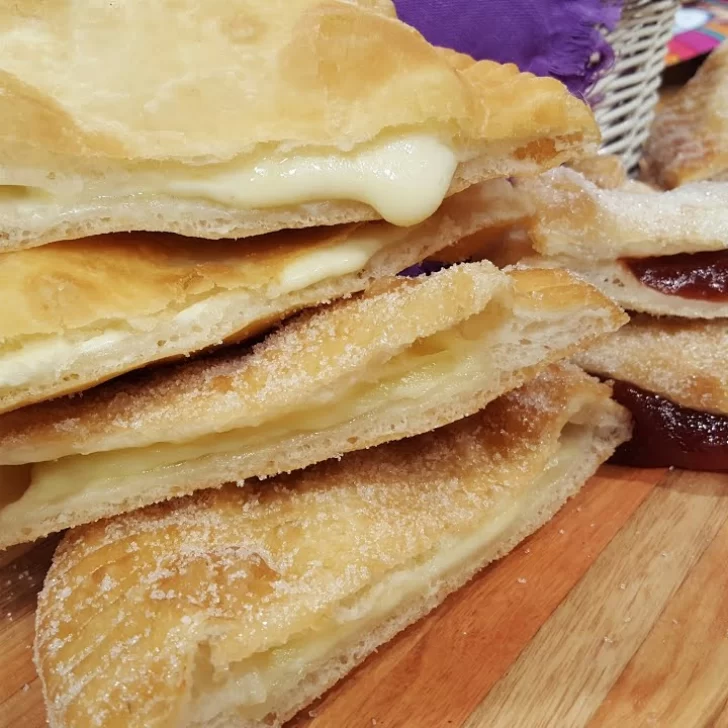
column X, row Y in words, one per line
column 240, row 606
column 87, row 310
column 407, row 356
column 673, row 376
column 605, row 170
column 664, row 253
column 685, row 361
column 575, row 217
column 231, row 118
column 689, row 136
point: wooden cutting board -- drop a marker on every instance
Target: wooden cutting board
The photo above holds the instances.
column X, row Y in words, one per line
column 613, row 614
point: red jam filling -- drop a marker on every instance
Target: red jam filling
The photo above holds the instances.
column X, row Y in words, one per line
column 702, row 276
column 666, row 434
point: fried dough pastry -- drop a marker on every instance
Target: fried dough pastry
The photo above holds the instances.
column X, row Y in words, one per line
column 688, row 141
column 240, row 606
column 672, row 375
column 609, row 235
column 604, row 170
column 402, row 359
column 87, row 310
column 232, row 118
column 684, row 361
column 576, row 218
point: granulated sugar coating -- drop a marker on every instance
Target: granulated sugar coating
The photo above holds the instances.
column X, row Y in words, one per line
column 682, row 360
column 689, row 136
column 409, row 356
column 577, row 219
column 241, row 387
column 141, row 613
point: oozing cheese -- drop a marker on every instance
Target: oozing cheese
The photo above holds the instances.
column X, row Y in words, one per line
column 255, row 684
column 404, row 179
column 45, row 359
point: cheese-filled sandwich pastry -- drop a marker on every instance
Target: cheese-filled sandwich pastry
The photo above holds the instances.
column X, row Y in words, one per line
column 664, row 253
column 240, row 606
column 688, row 141
column 231, row 118
column 87, row 310
column 673, row 375
column 402, row 359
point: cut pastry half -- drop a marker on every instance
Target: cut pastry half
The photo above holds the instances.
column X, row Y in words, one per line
column 232, row 118
column 673, row 375
column 406, row 357
column 664, row 253
column 87, row 310
column 688, row 141
column 241, row 606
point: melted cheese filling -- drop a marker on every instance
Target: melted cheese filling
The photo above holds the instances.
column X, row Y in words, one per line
column 253, row 686
column 431, row 369
column 51, row 357
column 405, row 180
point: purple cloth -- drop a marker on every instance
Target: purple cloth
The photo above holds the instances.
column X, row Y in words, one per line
column 423, row 269
column 559, row 38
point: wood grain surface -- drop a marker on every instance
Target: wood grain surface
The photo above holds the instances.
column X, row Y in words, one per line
column 615, row 614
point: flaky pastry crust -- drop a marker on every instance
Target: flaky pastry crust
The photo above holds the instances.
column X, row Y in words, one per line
column 688, row 141
column 684, row 361
column 143, row 618
column 404, row 358
column 576, row 218
column 128, row 89
column 162, row 296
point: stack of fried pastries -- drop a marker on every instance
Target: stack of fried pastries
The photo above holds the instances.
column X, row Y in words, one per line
column 273, row 450
column 662, row 254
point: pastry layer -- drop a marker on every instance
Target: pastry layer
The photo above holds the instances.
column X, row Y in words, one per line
column 683, row 361
column 616, row 280
column 87, row 310
column 311, row 571
column 389, row 365
column 236, row 118
column 689, row 136
column 575, row 218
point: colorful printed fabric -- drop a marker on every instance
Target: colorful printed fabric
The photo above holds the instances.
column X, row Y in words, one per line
column 699, row 28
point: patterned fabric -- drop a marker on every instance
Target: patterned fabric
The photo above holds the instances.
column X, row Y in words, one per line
column 698, row 30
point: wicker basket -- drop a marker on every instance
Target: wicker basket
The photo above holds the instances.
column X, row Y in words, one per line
column 624, row 99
